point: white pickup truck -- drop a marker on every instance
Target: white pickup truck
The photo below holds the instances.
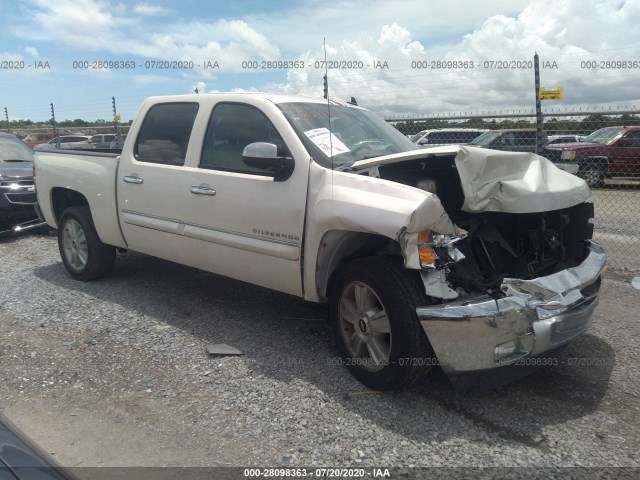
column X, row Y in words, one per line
column 464, row 258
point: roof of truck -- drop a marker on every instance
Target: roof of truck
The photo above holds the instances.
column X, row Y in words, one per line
column 275, row 98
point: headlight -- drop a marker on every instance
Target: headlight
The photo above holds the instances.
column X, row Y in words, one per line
column 437, row 250
column 568, row 154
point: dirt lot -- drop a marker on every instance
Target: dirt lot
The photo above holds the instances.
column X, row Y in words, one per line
column 114, row 373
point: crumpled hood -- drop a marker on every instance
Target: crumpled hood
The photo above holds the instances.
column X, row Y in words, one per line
column 497, row 181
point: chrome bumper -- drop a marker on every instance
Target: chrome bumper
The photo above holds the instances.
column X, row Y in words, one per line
column 533, row 317
column 571, row 167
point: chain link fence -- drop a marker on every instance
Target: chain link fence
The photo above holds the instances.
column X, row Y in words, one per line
column 602, row 147
column 71, row 137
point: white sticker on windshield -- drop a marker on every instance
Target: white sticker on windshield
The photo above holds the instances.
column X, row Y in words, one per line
column 327, row 141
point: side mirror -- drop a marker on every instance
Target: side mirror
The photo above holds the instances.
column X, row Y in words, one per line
column 265, row 156
column 424, row 141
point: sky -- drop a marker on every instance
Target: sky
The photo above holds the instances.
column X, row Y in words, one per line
column 400, row 59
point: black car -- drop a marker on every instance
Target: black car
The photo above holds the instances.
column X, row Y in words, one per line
column 21, row 459
column 512, row 140
column 17, row 192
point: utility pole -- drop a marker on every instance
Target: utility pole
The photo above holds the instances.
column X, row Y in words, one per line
column 6, row 116
column 55, row 127
column 116, row 123
column 539, row 118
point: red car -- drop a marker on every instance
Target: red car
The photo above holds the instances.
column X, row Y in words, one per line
column 606, row 153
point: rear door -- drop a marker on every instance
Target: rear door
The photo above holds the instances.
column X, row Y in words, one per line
column 152, row 178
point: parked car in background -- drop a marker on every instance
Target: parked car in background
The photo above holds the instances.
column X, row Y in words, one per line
column 17, row 193
column 34, row 139
column 510, row 140
column 446, row 136
column 67, row 141
column 115, row 144
column 101, row 140
column 567, row 138
column 608, row 152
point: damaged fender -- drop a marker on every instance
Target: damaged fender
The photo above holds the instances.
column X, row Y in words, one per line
column 346, row 202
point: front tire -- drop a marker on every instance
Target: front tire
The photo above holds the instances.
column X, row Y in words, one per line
column 594, row 174
column 372, row 311
column 83, row 254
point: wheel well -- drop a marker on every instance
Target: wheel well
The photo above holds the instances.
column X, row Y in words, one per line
column 594, row 161
column 339, row 247
column 63, row 198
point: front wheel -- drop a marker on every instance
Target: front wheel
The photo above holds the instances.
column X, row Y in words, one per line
column 594, row 174
column 83, row 254
column 372, row 310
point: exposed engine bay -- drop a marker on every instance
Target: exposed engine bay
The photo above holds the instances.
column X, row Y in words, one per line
column 498, row 244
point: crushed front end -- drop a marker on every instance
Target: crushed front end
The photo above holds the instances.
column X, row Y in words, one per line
column 515, row 273
column 520, row 318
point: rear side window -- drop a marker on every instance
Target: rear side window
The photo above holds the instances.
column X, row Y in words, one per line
column 526, row 137
column 165, row 132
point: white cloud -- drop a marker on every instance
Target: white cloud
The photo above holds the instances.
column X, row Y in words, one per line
column 11, row 57
column 97, row 25
column 372, row 31
column 32, row 51
column 556, row 32
column 83, row 24
column 201, row 87
column 149, row 10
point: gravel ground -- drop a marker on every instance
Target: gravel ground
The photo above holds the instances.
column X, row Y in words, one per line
column 115, row 373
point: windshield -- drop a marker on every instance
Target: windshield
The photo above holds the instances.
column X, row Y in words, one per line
column 486, row 138
column 14, row 149
column 355, row 133
column 604, row 136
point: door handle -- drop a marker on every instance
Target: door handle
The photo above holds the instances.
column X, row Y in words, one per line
column 132, row 179
column 202, row 190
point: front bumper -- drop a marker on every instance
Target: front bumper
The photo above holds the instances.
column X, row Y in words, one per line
column 570, row 167
column 533, row 317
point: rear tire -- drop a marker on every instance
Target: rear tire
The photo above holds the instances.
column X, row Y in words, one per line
column 372, row 311
column 83, row 254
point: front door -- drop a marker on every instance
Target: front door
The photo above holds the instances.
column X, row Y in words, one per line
column 238, row 220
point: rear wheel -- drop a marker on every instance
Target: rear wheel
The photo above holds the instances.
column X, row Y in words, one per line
column 83, row 254
column 372, row 309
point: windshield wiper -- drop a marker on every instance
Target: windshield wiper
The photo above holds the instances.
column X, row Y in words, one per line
column 345, row 167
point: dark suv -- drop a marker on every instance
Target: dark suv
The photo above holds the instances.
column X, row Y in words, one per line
column 17, row 192
column 511, row 140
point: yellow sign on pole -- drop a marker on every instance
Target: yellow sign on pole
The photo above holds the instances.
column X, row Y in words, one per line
column 551, row 93
column 116, row 117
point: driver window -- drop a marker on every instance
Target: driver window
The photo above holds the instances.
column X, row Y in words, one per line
column 633, row 139
column 509, row 139
column 232, row 127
